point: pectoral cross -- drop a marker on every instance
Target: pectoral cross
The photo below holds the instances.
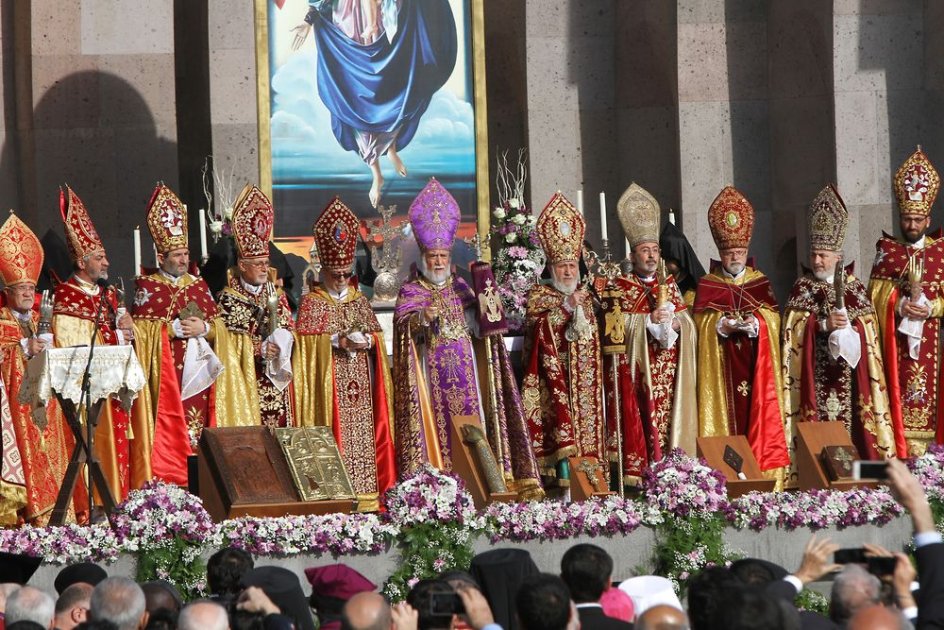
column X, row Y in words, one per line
column 590, row 470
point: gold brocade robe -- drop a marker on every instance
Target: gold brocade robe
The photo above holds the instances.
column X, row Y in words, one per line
column 245, row 396
column 45, row 454
column 341, row 390
column 157, row 303
column 663, row 380
column 740, row 388
column 834, row 391
column 914, row 384
column 562, row 391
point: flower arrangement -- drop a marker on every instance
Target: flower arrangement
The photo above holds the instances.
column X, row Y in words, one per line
column 555, row 520
column 519, row 258
column 929, row 469
column 336, row 534
column 437, row 521
column 685, row 487
column 815, row 509
column 695, row 497
column 432, row 519
column 168, row 528
column 63, row 545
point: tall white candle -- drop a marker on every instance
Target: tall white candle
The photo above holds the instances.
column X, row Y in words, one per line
column 137, row 251
column 628, row 248
column 156, row 264
column 580, row 201
column 603, row 215
column 203, row 234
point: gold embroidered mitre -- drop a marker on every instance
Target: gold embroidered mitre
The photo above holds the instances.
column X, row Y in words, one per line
column 21, row 254
column 916, row 184
column 561, row 228
column 81, row 236
column 167, row 220
column 336, row 232
column 639, row 214
column 828, row 219
column 252, row 221
column 731, row 219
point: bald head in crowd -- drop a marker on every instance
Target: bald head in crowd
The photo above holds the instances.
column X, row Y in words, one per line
column 878, row 618
column 203, row 615
column 366, row 611
column 662, row 617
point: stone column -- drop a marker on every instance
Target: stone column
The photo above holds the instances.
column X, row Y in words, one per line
column 233, row 83
column 571, row 121
column 878, row 65
column 723, row 115
column 104, row 111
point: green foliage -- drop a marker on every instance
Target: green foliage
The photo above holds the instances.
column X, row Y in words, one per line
column 427, row 550
column 813, row 601
column 179, row 562
column 685, row 546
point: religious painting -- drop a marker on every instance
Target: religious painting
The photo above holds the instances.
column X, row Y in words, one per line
column 368, row 99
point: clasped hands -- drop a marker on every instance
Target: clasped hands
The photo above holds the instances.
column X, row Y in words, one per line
column 664, row 314
column 913, row 310
column 731, row 325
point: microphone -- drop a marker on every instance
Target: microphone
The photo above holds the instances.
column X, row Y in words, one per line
column 103, row 283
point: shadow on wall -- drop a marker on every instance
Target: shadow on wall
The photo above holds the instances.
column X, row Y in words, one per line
column 94, row 131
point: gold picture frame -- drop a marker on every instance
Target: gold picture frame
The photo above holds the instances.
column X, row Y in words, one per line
column 470, row 42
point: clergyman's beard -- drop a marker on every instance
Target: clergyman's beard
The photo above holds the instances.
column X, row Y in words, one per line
column 735, row 268
column 564, row 286
column 823, row 275
column 436, row 277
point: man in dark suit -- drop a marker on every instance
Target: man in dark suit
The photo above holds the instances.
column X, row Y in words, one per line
column 586, row 569
column 929, row 548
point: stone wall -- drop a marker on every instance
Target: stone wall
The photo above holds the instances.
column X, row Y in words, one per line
column 684, row 97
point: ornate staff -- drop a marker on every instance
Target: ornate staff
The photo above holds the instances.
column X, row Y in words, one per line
column 492, row 322
column 839, row 285
column 46, row 305
column 272, row 304
column 613, row 343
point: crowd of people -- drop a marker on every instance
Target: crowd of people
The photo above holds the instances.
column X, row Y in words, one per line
column 503, row 588
column 617, row 366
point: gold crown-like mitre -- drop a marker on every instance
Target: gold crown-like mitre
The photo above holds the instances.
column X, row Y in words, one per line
column 639, row 214
column 916, row 184
column 828, row 220
column 167, row 220
column 21, row 254
column 336, row 232
column 731, row 219
column 252, row 222
column 561, row 228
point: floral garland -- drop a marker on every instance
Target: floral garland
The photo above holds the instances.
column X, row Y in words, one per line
column 555, row 520
column 814, row 509
column 431, row 517
column 335, row 534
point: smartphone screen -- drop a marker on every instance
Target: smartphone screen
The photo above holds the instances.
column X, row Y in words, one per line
column 866, row 469
column 850, row 556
